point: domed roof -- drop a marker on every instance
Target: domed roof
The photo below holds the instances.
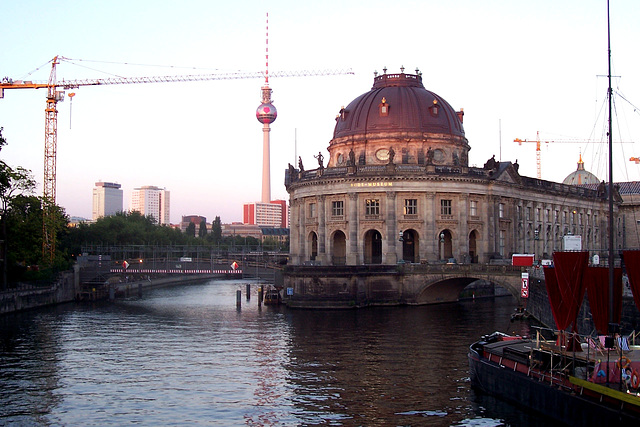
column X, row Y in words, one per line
column 581, row 176
column 398, row 103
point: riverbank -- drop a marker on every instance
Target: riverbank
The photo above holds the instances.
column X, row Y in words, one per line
column 26, row 297
column 68, row 289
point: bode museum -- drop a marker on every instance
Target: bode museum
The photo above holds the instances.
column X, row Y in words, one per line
column 397, row 193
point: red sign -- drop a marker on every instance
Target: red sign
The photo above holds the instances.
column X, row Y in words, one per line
column 522, row 260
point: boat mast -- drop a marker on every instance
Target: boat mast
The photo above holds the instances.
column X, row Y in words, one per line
column 611, row 234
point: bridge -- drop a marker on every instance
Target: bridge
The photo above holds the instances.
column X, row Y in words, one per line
column 445, row 282
column 410, row 284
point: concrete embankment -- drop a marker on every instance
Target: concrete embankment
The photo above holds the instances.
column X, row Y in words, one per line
column 120, row 289
column 68, row 289
column 25, row 297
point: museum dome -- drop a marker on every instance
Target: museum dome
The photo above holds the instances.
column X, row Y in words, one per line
column 581, row 176
column 398, row 103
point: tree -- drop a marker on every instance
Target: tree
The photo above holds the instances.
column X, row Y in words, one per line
column 13, row 182
column 216, row 231
column 191, row 230
column 202, row 230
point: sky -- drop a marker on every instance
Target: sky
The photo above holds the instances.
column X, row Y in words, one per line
column 516, row 68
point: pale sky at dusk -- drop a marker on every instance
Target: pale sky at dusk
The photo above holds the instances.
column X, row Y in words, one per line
column 515, row 67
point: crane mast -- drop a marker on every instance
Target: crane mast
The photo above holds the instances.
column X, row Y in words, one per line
column 54, row 95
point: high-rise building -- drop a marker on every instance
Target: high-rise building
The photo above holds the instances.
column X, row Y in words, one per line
column 150, row 200
column 272, row 214
column 107, row 199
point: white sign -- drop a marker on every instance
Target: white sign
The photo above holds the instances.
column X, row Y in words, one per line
column 524, row 292
column 572, row 243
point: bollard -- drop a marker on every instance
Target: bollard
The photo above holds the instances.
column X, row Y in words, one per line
column 260, row 291
column 139, row 290
column 248, row 292
column 238, row 298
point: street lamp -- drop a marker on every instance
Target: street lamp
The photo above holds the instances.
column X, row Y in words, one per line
column 400, row 234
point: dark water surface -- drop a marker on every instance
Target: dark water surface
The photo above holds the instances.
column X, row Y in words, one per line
column 186, row 355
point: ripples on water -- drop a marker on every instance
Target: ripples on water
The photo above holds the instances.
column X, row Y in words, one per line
column 186, row 355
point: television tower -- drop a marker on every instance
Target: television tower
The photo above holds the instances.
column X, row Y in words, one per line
column 266, row 114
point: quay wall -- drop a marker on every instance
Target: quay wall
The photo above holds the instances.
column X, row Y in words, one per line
column 25, row 297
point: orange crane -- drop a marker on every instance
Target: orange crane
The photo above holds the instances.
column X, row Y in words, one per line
column 55, row 95
column 538, row 142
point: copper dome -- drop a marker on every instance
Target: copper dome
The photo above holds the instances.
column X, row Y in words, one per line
column 409, row 108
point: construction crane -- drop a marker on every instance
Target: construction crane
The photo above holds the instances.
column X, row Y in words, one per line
column 538, row 142
column 55, row 95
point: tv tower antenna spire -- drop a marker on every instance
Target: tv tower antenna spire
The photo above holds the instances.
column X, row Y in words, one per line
column 266, row 114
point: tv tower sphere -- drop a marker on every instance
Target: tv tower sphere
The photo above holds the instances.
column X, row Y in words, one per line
column 266, row 113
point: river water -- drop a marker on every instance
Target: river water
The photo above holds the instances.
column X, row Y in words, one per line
column 187, row 355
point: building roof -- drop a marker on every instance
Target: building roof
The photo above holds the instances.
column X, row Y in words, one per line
column 411, row 107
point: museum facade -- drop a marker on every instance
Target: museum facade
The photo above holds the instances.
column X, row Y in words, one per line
column 398, row 189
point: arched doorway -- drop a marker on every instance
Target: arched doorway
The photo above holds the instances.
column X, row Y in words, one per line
column 473, row 252
column 313, row 246
column 445, row 246
column 410, row 246
column 339, row 248
column 373, row 247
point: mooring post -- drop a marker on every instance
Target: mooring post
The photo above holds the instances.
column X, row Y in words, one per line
column 260, row 292
column 238, row 298
column 248, row 292
column 140, row 290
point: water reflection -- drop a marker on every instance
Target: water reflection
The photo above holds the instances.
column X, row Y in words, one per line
column 187, row 355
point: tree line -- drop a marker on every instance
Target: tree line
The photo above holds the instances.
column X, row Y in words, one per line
column 21, row 231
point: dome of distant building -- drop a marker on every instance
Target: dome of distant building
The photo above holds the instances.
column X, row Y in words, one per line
column 400, row 116
column 581, row 176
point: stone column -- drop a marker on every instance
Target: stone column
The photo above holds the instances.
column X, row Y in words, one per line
column 294, row 242
column 430, row 241
column 352, row 243
column 323, row 257
column 463, row 228
column 302, row 238
column 390, row 252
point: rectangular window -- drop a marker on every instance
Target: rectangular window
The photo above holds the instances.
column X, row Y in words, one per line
column 501, row 242
column 501, row 210
column 312, row 210
column 337, row 208
column 473, row 207
column 538, row 214
column 410, row 206
column 528, row 213
column 445, row 207
column 372, row 207
column 548, row 215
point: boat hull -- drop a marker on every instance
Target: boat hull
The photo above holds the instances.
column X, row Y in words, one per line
column 565, row 405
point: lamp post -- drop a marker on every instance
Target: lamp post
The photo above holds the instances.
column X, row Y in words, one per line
column 441, row 245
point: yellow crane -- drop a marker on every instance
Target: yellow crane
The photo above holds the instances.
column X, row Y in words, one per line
column 538, row 142
column 55, row 93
